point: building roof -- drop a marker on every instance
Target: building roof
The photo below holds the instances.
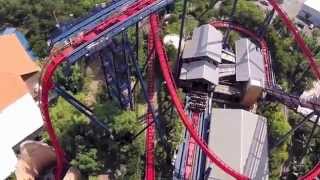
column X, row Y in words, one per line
column 14, row 58
column 240, row 139
column 12, row 88
column 9, row 30
column 314, row 4
column 206, row 42
column 200, row 70
column 23, row 40
column 19, row 114
column 14, row 63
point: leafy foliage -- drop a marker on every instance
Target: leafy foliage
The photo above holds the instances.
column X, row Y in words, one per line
column 203, row 11
column 87, row 161
column 173, row 26
column 70, row 77
column 172, row 134
column 36, row 18
column 246, row 14
column 278, row 126
column 277, row 159
column 94, row 150
column 290, row 66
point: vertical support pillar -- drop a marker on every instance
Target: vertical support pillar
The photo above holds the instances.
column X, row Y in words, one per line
column 178, row 60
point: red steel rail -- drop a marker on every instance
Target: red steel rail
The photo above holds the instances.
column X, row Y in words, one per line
column 61, row 55
column 297, row 37
column 311, row 175
column 150, row 134
column 191, row 148
column 227, row 24
column 58, row 58
column 311, row 60
column 166, row 71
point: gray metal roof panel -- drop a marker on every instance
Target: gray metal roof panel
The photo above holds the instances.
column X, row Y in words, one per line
column 206, row 42
column 200, row 70
column 249, row 62
column 240, row 138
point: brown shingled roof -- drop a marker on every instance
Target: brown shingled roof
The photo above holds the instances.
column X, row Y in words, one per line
column 14, row 63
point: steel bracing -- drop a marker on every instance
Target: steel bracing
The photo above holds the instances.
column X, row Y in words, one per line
column 91, row 35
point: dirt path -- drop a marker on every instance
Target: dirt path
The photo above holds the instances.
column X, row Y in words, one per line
column 94, row 82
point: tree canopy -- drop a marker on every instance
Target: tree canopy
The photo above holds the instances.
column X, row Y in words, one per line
column 94, row 150
column 278, row 126
column 36, row 18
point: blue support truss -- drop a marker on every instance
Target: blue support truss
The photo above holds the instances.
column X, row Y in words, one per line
column 80, row 106
column 101, row 42
column 110, row 75
column 117, row 74
column 156, row 118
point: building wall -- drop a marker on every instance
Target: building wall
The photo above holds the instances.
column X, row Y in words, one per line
column 201, row 70
column 19, row 120
column 249, row 62
column 239, row 138
column 314, row 14
column 32, row 82
column 255, row 146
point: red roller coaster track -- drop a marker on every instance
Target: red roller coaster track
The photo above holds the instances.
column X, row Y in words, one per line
column 150, row 134
column 312, row 63
column 57, row 59
column 166, row 71
column 312, row 174
column 191, row 148
column 261, row 41
column 298, row 38
column 164, row 67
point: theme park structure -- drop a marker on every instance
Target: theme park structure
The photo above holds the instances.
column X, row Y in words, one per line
column 93, row 36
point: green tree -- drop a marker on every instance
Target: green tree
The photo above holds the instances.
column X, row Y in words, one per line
column 172, row 129
column 278, row 126
column 289, row 65
column 247, row 13
column 122, row 153
column 202, row 10
column 276, row 161
column 316, row 33
column 277, row 123
column 87, row 160
column 36, row 18
column 72, row 78
column 94, row 150
column 171, row 52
